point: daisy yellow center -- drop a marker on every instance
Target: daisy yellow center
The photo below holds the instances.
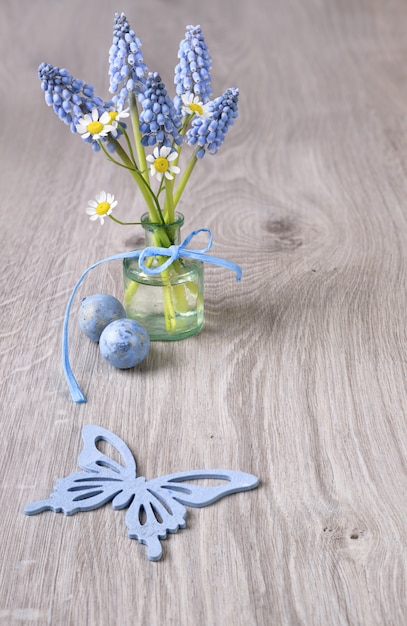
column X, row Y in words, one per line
column 113, row 115
column 102, row 208
column 161, row 164
column 196, row 108
column 95, row 127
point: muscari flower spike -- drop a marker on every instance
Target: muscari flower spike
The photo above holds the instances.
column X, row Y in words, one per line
column 159, row 121
column 126, row 64
column 208, row 134
column 192, row 73
column 72, row 99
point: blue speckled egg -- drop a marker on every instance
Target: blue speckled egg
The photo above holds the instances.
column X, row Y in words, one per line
column 98, row 311
column 124, row 343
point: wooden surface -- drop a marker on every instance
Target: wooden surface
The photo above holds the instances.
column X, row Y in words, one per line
column 299, row 376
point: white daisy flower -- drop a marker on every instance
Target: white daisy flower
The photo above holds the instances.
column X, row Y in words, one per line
column 192, row 104
column 91, row 125
column 104, row 205
column 161, row 163
column 116, row 116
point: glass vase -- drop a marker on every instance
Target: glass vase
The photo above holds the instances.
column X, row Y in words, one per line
column 170, row 304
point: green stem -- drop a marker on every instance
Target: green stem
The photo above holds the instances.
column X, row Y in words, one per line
column 124, row 223
column 169, row 213
column 185, row 177
column 170, row 202
column 126, row 136
column 137, row 138
column 182, row 133
column 148, row 194
column 109, row 156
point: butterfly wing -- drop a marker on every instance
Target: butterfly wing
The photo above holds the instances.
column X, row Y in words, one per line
column 92, row 459
column 78, row 492
column 151, row 516
column 102, row 481
column 180, row 489
column 158, row 506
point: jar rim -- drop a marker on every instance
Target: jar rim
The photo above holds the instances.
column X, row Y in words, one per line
column 145, row 222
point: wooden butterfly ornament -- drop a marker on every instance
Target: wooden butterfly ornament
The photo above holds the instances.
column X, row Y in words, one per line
column 155, row 507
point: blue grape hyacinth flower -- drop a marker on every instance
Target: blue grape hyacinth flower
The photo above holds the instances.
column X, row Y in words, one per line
column 127, row 69
column 209, row 133
column 71, row 99
column 159, row 120
column 192, row 73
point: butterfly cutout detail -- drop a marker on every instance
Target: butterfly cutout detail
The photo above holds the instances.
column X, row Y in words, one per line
column 154, row 507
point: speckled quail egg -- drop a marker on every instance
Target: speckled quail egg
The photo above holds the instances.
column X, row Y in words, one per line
column 124, row 343
column 98, row 311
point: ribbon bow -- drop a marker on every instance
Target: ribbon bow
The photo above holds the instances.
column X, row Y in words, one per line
column 173, row 253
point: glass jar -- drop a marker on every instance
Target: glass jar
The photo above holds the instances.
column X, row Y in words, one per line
column 170, row 304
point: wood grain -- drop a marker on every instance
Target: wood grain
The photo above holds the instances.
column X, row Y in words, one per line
column 300, row 373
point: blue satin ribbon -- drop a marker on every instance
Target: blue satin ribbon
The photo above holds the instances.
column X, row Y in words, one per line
column 173, row 253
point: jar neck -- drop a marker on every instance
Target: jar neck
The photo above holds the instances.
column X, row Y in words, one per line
column 162, row 235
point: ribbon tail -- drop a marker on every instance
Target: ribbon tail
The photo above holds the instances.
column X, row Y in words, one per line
column 76, row 392
column 207, row 258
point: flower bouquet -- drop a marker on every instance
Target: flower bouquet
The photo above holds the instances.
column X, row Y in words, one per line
column 163, row 284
